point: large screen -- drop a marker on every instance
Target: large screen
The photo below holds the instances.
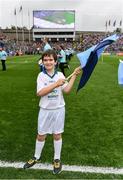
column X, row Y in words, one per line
column 54, row 19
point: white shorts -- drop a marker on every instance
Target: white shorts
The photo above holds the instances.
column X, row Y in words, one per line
column 51, row 121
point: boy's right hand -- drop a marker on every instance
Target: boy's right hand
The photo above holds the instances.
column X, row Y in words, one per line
column 60, row 82
column 77, row 70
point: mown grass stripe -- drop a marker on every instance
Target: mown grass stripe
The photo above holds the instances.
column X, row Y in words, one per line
column 73, row 168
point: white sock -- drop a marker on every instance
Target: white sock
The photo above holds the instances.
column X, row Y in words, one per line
column 57, row 149
column 38, row 148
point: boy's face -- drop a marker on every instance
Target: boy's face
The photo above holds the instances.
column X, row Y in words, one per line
column 49, row 62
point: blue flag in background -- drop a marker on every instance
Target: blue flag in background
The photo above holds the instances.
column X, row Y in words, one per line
column 89, row 58
column 120, row 73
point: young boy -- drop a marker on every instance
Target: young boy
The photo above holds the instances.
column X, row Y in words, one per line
column 50, row 85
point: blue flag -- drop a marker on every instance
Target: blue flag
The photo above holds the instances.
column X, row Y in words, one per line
column 120, row 73
column 89, row 58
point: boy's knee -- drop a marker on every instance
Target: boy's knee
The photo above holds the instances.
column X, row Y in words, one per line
column 57, row 136
column 41, row 137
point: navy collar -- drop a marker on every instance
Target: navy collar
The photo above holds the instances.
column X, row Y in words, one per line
column 45, row 72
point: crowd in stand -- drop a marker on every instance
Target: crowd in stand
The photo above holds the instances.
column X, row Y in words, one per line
column 85, row 41
column 89, row 39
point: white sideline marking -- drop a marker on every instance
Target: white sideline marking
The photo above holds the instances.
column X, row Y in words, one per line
column 73, row 168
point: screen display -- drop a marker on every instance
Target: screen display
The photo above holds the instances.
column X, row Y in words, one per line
column 54, row 19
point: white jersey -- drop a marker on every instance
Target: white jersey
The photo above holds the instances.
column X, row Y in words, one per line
column 54, row 99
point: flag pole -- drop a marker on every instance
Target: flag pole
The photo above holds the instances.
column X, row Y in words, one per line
column 21, row 10
column 102, row 57
column 72, row 74
column 22, row 26
column 69, row 76
column 106, row 25
column 15, row 13
column 29, row 23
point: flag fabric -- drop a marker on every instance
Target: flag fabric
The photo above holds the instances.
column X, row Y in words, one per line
column 120, row 72
column 15, row 12
column 83, row 56
column 114, row 24
column 89, row 58
column 20, row 9
column 109, row 23
column 120, row 22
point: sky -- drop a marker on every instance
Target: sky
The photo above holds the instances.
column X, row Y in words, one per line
column 91, row 15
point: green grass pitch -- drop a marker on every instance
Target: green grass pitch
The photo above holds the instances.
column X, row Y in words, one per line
column 94, row 119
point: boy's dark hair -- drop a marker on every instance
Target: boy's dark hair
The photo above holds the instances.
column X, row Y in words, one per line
column 49, row 52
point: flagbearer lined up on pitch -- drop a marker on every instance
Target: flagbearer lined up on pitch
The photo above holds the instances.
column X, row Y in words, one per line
column 3, row 57
column 50, row 87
